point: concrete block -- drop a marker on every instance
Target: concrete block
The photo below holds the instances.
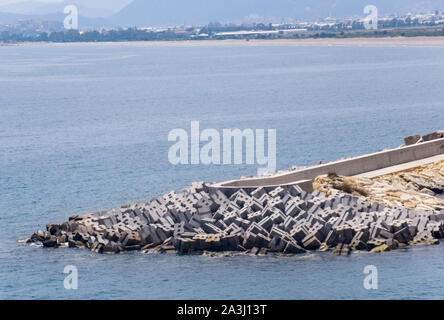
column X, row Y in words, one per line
column 293, row 248
column 286, row 198
column 422, row 224
column 278, row 217
column 244, row 212
column 348, row 215
column 256, row 229
column 221, row 225
column 314, row 209
column 218, row 196
column 184, row 245
column 153, row 216
column 230, row 218
column 211, row 229
column 295, row 190
column 213, row 244
column 305, row 205
column 277, row 244
column 249, row 240
column 241, row 200
column 278, row 192
column 262, row 241
column 276, row 203
column 219, row 214
column 264, row 199
column 268, row 211
column 232, row 207
column 230, row 243
column 254, row 204
column 289, row 223
column 317, row 231
column 204, row 210
column 292, row 209
column 233, row 230
column 266, row 223
column 403, row 235
column 358, row 245
column 385, row 234
column 305, row 195
column 310, row 242
column 277, row 232
column 349, row 233
column 240, row 193
column 255, row 217
column 335, row 237
column 194, row 222
column 179, row 228
column 299, row 233
column 258, row 193
column 437, row 232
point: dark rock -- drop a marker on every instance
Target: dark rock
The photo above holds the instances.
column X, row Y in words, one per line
column 412, row 139
column 433, row 136
column 49, row 243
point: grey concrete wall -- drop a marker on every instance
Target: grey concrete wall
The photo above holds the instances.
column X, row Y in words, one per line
column 349, row 167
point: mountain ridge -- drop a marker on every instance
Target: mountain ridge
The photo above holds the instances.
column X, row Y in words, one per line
column 177, row 12
column 84, row 22
column 163, row 13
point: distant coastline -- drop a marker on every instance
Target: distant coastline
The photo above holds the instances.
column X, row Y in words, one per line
column 364, row 41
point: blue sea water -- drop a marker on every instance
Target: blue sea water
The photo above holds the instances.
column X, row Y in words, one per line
column 84, row 128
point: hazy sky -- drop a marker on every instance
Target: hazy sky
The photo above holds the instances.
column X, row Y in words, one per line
column 93, row 2
column 27, row 6
column 3, row 2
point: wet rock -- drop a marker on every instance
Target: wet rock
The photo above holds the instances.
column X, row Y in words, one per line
column 381, row 248
column 49, row 243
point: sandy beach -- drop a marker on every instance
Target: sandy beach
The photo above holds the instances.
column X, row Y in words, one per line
column 389, row 41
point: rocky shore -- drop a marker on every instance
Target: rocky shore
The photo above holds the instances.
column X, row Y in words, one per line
column 418, row 188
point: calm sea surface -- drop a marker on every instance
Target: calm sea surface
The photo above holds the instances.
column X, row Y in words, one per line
column 84, row 128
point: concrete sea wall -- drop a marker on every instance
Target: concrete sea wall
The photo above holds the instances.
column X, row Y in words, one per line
column 349, row 167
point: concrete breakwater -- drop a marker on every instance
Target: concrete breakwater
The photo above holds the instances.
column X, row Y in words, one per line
column 388, row 201
column 284, row 219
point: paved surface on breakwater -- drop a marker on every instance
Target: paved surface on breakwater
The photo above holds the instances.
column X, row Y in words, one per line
column 401, row 167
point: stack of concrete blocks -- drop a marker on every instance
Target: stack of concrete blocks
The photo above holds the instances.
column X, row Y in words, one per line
column 273, row 219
